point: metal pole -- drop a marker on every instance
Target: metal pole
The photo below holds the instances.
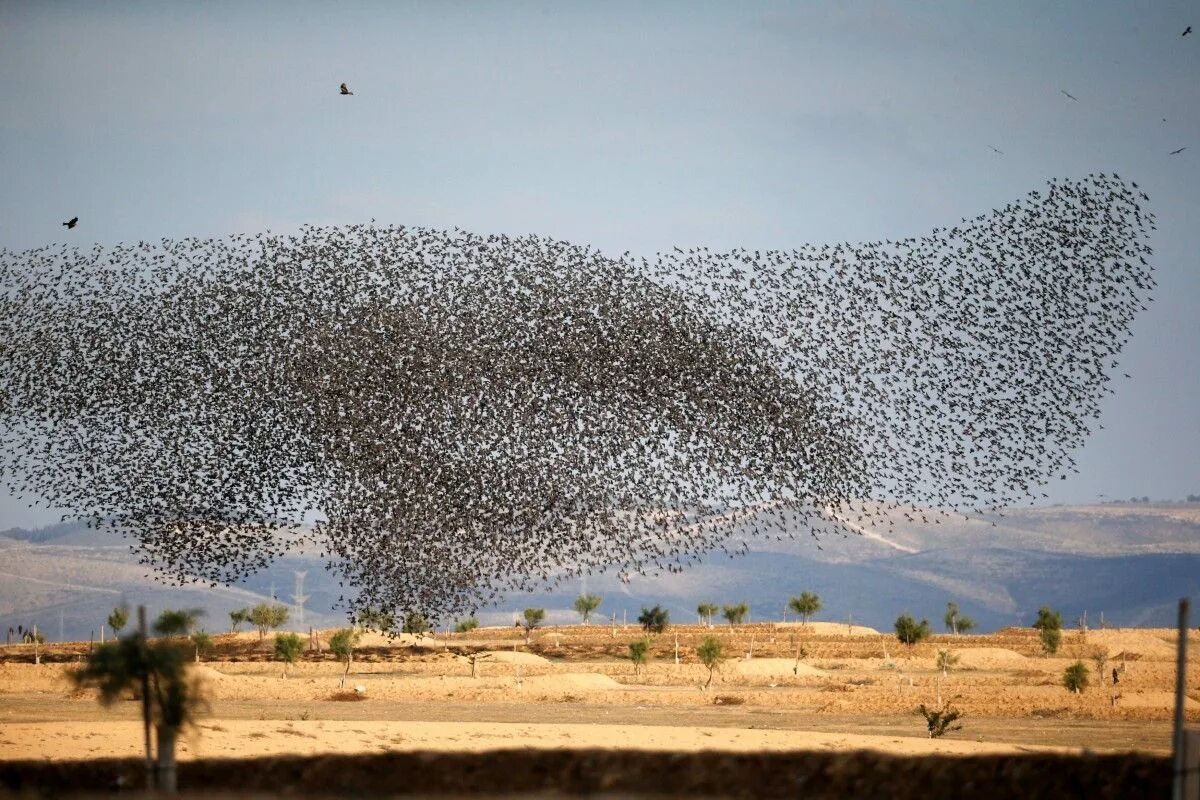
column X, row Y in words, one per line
column 1180, row 686
column 144, row 667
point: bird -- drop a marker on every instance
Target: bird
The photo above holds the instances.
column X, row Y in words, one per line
column 72, row 222
column 1068, row 94
column 345, row 89
column 996, row 150
column 1186, row 30
column 470, row 415
column 1177, row 152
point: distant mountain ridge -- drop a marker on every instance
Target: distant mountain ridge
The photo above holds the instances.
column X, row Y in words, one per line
column 1131, row 562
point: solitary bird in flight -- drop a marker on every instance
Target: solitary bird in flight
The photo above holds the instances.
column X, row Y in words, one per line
column 346, row 89
column 1068, row 94
column 996, row 150
column 72, row 222
column 1176, row 152
column 1187, row 31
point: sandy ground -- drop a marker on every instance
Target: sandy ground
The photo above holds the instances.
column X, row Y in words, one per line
column 574, row 687
column 226, row 738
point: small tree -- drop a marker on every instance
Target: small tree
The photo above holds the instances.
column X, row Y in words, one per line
column 174, row 699
column 710, row 652
column 654, row 620
column 909, row 631
column 585, row 604
column 177, row 622
column 466, row 625
column 946, row 661
column 268, row 617
column 118, row 618
column 639, row 652
column 964, row 624
column 1075, row 677
column 706, row 611
column 952, row 617
column 940, row 721
column 1049, row 623
column 342, row 645
column 735, row 614
column 202, row 644
column 531, row 618
column 1051, row 639
column 237, row 617
column 287, row 649
column 1101, row 661
column 805, row 605
column 416, row 623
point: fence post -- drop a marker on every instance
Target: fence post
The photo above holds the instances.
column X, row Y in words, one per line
column 144, row 667
column 1180, row 699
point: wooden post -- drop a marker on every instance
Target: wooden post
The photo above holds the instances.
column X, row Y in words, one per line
column 37, row 653
column 145, row 698
column 1180, row 698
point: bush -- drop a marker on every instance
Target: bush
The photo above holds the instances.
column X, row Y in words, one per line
column 342, row 645
column 735, row 614
column 466, row 625
column 805, row 605
column 1051, row 639
column 585, row 604
column 287, row 649
column 531, row 618
column 1048, row 618
column 639, row 653
column 710, row 652
column 706, row 612
column 202, row 644
column 237, row 617
column 909, row 631
column 268, row 617
column 940, row 721
column 1075, row 677
column 654, row 620
column 177, row 622
column 416, row 623
column 118, row 618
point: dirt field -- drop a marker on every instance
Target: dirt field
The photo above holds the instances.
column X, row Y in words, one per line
column 574, row 688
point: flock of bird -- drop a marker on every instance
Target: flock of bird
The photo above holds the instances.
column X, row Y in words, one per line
column 468, row 415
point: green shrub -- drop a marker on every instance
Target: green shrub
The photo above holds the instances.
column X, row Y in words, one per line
column 639, row 654
column 654, row 620
column 1075, row 677
column 710, row 652
column 909, row 631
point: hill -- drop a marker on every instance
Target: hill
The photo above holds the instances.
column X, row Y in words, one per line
column 1130, row 562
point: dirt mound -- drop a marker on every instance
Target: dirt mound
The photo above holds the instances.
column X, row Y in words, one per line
column 1143, row 643
column 572, row 681
column 829, row 628
column 511, row 657
column 990, row 658
column 776, row 668
column 208, row 673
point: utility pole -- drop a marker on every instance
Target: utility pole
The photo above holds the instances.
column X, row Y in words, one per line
column 298, row 597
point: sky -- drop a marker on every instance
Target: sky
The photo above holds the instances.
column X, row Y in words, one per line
column 629, row 126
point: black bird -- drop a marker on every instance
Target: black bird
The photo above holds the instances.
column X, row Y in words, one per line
column 1068, row 94
column 1187, row 30
column 72, row 222
column 478, row 414
column 1177, row 152
column 996, row 150
column 346, row 89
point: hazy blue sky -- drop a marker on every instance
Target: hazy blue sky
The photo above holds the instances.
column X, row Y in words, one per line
column 626, row 126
